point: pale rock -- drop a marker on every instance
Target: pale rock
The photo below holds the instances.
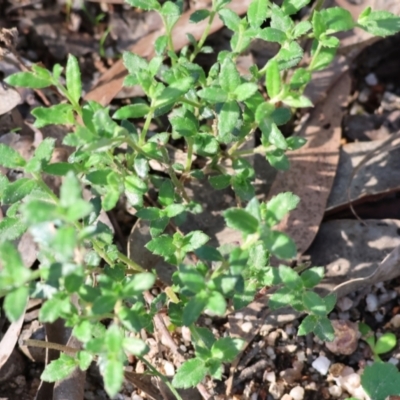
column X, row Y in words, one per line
column 272, row 337
column 321, row 364
column 247, row 327
column 371, row 79
column 287, row 397
column 276, row 390
column 270, row 376
column 393, row 360
column 297, row 393
column 335, row 391
column 395, row 321
column 344, row 304
column 169, row 368
column 379, row 317
column 254, row 396
column 186, row 335
column 301, row 356
column 271, row 352
column 346, row 337
column 291, row 348
column 372, row 302
column 363, row 96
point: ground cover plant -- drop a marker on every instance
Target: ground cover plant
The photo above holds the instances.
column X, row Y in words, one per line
column 84, row 277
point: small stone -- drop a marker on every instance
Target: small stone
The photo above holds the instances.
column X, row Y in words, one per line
column 346, row 337
column 183, row 348
column 247, row 327
column 372, row 302
column 270, row 351
column 287, row 397
column 297, row 393
column 395, row 321
column 344, row 304
column 276, row 390
column 321, row 364
column 270, row 376
column 301, row 356
column 335, row 391
column 379, row 317
column 272, row 337
column 371, row 79
column 186, row 335
column 254, row 396
column 169, row 368
column 89, row 396
column 291, row 348
column 136, row 397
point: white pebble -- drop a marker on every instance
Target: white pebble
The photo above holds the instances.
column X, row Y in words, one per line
column 364, row 95
column 270, row 376
column 247, row 327
column 371, row 79
column 169, row 368
column 321, row 364
column 271, row 352
column 136, row 397
column 183, row 348
column 291, row 348
column 344, row 304
column 186, row 335
column 301, row 356
column 335, row 391
column 395, row 321
column 372, row 302
column 287, row 397
column 297, row 393
column 254, row 396
column 379, row 317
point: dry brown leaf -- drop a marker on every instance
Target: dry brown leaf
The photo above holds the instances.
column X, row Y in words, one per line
column 366, row 169
column 10, row 339
column 313, row 167
column 111, row 82
column 9, row 98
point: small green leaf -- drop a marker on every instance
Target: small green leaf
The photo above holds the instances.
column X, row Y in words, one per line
column 161, row 246
column 297, row 101
column 135, row 346
column 138, row 283
column 314, row 303
column 172, row 93
column 381, row 380
column 230, row 19
column 241, row 220
column 220, row 181
column 15, row 303
column 194, row 240
column 226, row 349
column 289, row 55
column 10, row 158
column 273, row 79
column 290, row 7
column 113, row 376
column 28, row 80
column 271, row 134
column 194, row 308
column 290, row 278
column 216, row 303
column 257, row 13
column 330, row 302
column 190, row 373
column 17, row 190
column 212, row 94
column 229, row 77
column 324, row 329
column 379, row 23
column 199, row 15
column 307, row 325
column 59, row 369
column 170, row 13
column 227, row 120
column 300, row 78
column 281, row 298
column 132, row 111
column 311, row 277
column 144, row 4
column 278, row 159
column 280, row 245
column 59, row 114
column 272, row 35
column 149, row 213
column 279, row 206
column 245, row 90
column 84, row 360
column 73, row 78
column 191, row 278
column 166, row 194
column 301, row 29
column 336, row 19
column 385, row 343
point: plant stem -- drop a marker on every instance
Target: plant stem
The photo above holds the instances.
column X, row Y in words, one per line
column 317, row 51
column 132, row 264
column 178, row 183
column 162, row 377
column 49, row 345
column 189, row 157
column 145, row 128
column 204, row 36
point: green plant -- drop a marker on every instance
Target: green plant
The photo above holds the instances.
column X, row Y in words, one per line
column 212, row 114
column 381, row 379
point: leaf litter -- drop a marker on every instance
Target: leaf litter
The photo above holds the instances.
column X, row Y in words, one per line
column 280, row 354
